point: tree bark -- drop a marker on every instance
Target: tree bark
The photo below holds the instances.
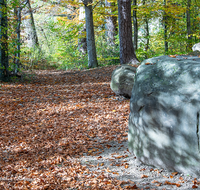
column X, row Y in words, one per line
column 189, row 43
column 17, row 54
column 135, row 25
column 91, row 48
column 4, row 74
column 146, row 31
column 127, row 54
column 111, row 24
column 29, row 24
column 165, row 28
column 82, row 41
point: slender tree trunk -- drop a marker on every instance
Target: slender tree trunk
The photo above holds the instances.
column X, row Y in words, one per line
column 111, row 24
column 135, row 26
column 91, row 48
column 82, row 41
column 4, row 74
column 147, row 34
column 189, row 43
column 195, row 22
column 29, row 24
column 146, row 31
column 17, row 54
column 165, row 28
column 127, row 54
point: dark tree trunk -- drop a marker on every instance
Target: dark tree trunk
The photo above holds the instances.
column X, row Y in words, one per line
column 17, row 54
column 165, row 29
column 29, row 24
column 195, row 26
column 147, row 34
column 146, row 31
column 111, row 24
column 189, row 43
column 91, row 48
column 4, row 74
column 135, row 25
column 127, row 54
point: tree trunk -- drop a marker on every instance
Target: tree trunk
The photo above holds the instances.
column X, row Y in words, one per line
column 111, row 24
column 146, row 31
column 4, row 74
column 127, row 54
column 189, row 43
column 147, row 34
column 30, row 30
column 17, row 54
column 82, row 41
column 165, row 29
column 195, row 21
column 135, row 25
column 91, row 48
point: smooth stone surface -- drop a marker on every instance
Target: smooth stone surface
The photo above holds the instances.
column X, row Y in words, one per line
column 122, row 80
column 164, row 121
column 196, row 47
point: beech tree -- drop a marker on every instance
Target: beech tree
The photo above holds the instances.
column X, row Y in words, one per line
column 4, row 74
column 111, row 23
column 135, row 25
column 91, row 48
column 82, row 41
column 188, row 11
column 17, row 12
column 29, row 26
column 127, row 54
column 165, row 25
column 146, row 26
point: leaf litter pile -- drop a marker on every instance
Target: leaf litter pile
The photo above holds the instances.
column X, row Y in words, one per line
column 68, row 130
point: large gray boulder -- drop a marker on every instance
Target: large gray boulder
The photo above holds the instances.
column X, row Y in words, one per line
column 164, row 121
column 122, row 80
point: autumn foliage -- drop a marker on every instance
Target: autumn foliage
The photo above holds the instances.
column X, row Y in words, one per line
column 51, row 121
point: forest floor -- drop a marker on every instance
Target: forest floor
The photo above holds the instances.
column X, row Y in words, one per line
column 68, row 130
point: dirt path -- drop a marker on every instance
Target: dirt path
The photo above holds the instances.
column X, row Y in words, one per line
column 117, row 162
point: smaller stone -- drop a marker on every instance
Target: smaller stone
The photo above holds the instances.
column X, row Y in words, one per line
column 196, row 47
column 122, row 80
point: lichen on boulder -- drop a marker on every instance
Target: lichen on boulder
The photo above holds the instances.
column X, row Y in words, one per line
column 164, row 121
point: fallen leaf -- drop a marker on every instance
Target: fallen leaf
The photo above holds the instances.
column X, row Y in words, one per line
column 159, row 184
column 194, row 186
column 154, row 181
column 174, row 173
column 116, row 173
column 181, row 178
column 174, row 56
column 144, row 176
column 126, row 166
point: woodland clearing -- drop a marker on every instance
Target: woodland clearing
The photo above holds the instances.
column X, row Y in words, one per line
column 68, row 130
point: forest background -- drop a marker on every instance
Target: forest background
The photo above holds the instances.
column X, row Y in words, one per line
column 52, row 34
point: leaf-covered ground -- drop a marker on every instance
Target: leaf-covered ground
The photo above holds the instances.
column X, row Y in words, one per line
column 68, row 130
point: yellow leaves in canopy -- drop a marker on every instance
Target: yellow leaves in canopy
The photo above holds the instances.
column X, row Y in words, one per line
column 74, row 3
column 26, row 17
column 112, row 1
